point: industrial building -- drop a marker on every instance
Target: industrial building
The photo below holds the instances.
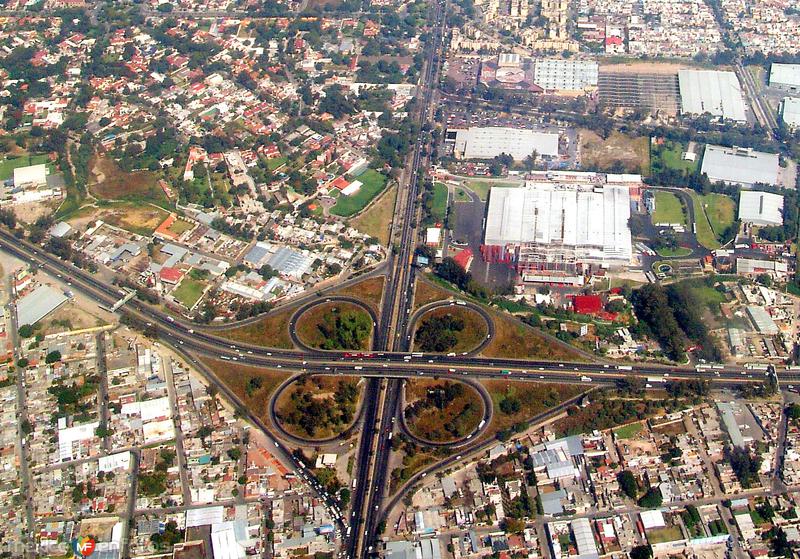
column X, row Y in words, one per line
column 550, row 229
column 33, row 176
column 552, row 74
column 489, row 142
column 789, row 111
column 785, row 76
column 742, row 166
column 713, row 92
column 38, row 304
column 762, row 320
column 760, row 208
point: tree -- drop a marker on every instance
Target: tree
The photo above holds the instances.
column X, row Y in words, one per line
column 651, row 499
column 25, row 331
column 764, row 279
column 642, row 552
column 627, row 482
column 52, row 357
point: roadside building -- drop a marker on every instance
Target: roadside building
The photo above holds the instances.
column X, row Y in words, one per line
column 760, row 208
column 711, row 92
column 39, row 303
column 785, row 76
column 740, row 166
column 33, row 176
column 489, row 142
column 789, row 111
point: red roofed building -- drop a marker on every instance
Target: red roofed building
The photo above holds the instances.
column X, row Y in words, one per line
column 170, row 275
column 587, row 304
column 464, row 259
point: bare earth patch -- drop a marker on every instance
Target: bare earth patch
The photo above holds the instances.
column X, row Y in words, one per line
column 270, row 331
column 240, row 380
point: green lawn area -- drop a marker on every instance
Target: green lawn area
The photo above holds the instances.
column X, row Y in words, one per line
column 720, row 210
column 273, row 164
column 661, row 535
column 708, row 295
column 668, row 209
column 462, row 196
column 439, row 209
column 670, row 156
column 189, row 291
column 705, row 236
column 481, row 188
column 180, row 226
column 674, row 252
column 372, row 184
column 8, row 165
column 628, row 431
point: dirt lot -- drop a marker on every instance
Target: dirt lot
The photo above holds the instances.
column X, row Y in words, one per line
column 137, row 218
column 645, row 67
column 427, row 292
column 369, row 291
column 112, row 183
column 238, row 378
column 516, row 340
column 270, row 331
column 632, row 153
column 376, row 221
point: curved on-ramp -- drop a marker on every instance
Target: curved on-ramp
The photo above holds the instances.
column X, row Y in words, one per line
column 455, row 303
column 488, row 414
column 327, row 300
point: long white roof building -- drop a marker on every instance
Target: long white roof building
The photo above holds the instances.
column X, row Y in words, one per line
column 591, row 221
column 489, row 142
column 711, row 91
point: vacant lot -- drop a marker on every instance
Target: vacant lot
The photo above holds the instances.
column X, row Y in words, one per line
column 136, row 218
column 326, row 324
column 517, row 341
column 180, row 226
column 110, row 182
column 669, row 209
column 482, row 188
column 459, row 415
column 720, row 210
column 619, row 150
column 253, row 385
column 8, row 164
column 427, row 292
column 377, row 220
column 270, row 331
column 189, row 291
column 518, row 401
column 372, row 184
column 467, row 339
column 628, row 431
column 319, row 407
column 369, row 291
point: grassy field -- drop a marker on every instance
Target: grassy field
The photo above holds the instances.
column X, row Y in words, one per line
column 482, row 188
column 180, row 226
column 631, row 153
column 674, row 252
column 322, row 388
column 462, row 196
column 462, row 415
column 670, row 156
column 533, row 398
column 189, row 291
column 273, row 164
column 8, row 164
column 666, row 534
column 515, row 340
column 376, row 221
column 720, row 210
column 439, row 209
column 369, row 291
column 669, row 209
column 108, row 181
column 238, row 377
column 270, row 331
column 308, row 325
column 628, row 431
column 474, row 332
column 705, row 236
column 373, row 183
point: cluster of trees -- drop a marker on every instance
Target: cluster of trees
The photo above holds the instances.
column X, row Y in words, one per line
column 345, row 330
column 312, row 414
column 73, row 399
column 438, row 398
column 672, row 315
column 744, row 464
column 450, row 271
column 169, row 537
column 439, row 333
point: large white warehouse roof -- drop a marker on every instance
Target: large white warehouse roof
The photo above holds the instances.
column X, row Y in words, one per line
column 489, row 142
column 742, row 166
column 760, row 208
column 713, row 92
column 592, row 221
